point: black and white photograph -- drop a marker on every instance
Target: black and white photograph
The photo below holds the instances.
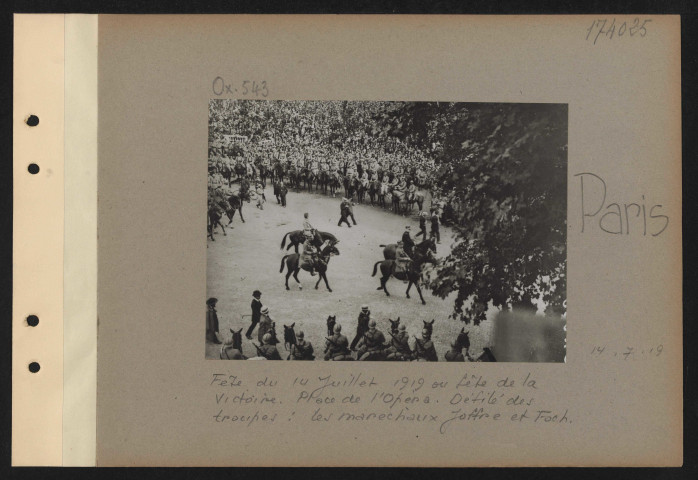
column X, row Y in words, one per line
column 386, row 231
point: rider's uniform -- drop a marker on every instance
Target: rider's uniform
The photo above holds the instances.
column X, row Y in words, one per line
column 338, row 346
column 454, row 356
column 302, row 350
column 372, row 341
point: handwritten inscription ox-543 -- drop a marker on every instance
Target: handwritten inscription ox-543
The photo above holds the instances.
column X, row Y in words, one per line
column 441, row 403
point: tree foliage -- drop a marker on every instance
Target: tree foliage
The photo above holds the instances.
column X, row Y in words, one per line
column 503, row 168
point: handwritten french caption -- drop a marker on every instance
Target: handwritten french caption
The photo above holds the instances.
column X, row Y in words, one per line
column 608, row 29
column 443, row 404
column 245, row 88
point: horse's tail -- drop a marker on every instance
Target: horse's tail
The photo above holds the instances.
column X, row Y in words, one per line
column 283, row 242
column 282, row 264
column 375, row 267
column 382, row 246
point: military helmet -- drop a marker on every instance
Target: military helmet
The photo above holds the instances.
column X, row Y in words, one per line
column 337, row 328
column 300, row 334
column 402, row 327
column 266, row 338
column 372, row 324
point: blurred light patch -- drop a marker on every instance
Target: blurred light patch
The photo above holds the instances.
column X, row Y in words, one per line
column 524, row 336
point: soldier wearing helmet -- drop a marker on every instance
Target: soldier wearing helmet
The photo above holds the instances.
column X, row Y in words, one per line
column 455, row 354
column 268, row 350
column 336, row 346
column 372, row 342
column 301, row 350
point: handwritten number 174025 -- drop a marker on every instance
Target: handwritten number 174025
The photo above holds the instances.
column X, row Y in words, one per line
column 611, row 28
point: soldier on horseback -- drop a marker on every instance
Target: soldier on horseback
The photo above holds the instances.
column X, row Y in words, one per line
column 424, row 350
column 301, row 350
column 372, row 343
column 336, row 346
column 455, row 354
column 268, row 349
column 309, row 250
column 399, row 348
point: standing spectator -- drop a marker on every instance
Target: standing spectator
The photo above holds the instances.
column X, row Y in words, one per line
column 422, row 225
column 345, row 211
column 256, row 312
column 212, row 321
column 362, row 326
column 435, row 226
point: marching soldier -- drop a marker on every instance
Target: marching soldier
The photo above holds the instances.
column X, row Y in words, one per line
column 422, row 225
column 256, row 306
column 362, row 326
column 336, row 346
column 302, row 350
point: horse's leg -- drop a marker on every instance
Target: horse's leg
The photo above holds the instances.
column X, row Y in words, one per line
column 419, row 290
column 295, row 277
column 240, row 210
column 409, row 285
column 384, row 284
column 288, row 274
column 324, row 277
column 222, row 227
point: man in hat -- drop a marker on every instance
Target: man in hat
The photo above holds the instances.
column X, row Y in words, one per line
column 399, row 348
column 372, row 342
column 424, row 350
column 265, row 323
column 336, row 345
column 455, row 354
column 256, row 312
column 362, row 326
column 211, row 321
column 302, row 350
column 268, row 350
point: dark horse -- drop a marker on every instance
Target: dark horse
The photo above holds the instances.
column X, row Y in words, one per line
column 289, row 336
column 297, row 237
column 390, row 250
column 235, row 202
column 331, row 322
column 412, row 273
column 233, row 350
column 214, row 219
column 294, row 266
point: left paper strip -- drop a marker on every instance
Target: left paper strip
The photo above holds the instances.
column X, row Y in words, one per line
column 38, row 233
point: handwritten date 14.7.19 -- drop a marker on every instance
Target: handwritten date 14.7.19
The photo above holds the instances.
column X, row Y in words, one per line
column 614, row 28
column 627, row 353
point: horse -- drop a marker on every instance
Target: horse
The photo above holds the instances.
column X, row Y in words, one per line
column 294, row 265
column 412, row 274
column 334, row 183
column 233, row 350
column 297, row 237
column 289, row 336
column 486, row 356
column 390, row 250
column 235, row 203
column 463, row 341
column 360, row 190
column 376, row 193
column 331, row 322
column 394, row 354
column 429, row 326
column 214, row 219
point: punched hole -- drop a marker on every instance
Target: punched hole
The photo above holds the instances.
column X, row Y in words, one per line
column 33, row 168
column 32, row 121
column 32, row 320
column 34, row 367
